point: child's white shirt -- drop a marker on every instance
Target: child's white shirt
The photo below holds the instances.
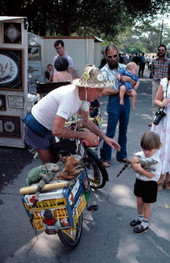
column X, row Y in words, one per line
column 157, row 167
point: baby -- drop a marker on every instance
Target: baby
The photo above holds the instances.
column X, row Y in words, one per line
column 131, row 71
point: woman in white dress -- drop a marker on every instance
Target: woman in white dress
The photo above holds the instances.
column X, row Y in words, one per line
column 163, row 129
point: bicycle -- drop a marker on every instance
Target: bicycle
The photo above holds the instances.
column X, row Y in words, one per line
column 59, row 208
column 96, row 171
column 60, row 205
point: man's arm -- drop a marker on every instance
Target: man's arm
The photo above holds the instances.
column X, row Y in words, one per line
column 128, row 79
column 70, row 65
column 152, row 69
column 59, row 130
column 90, row 125
column 159, row 99
column 109, row 91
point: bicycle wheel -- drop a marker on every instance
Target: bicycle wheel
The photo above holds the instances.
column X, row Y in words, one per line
column 65, row 235
column 96, row 172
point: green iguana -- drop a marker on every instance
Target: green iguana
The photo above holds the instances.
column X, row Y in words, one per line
column 37, row 173
column 66, row 169
column 147, row 165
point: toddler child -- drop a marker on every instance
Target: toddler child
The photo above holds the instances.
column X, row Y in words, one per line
column 131, row 71
column 145, row 188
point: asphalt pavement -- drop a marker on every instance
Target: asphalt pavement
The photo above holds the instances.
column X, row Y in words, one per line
column 107, row 236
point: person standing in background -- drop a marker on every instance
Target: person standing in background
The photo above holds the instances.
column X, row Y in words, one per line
column 125, row 58
column 163, row 129
column 120, row 58
column 136, row 58
column 116, row 111
column 102, row 63
column 48, row 72
column 159, row 69
column 59, row 46
column 141, row 65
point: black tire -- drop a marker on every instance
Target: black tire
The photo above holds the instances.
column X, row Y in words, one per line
column 96, row 171
column 67, row 241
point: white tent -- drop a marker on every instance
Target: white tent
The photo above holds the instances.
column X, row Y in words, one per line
column 83, row 51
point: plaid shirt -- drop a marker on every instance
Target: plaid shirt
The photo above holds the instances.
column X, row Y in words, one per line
column 159, row 68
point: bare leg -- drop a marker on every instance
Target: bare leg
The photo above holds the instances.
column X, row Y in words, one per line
column 121, row 94
column 167, row 181
column 46, row 156
column 140, row 206
column 134, row 97
column 147, row 211
column 161, row 183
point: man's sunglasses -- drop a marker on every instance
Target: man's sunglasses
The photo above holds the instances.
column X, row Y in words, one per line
column 161, row 50
column 114, row 56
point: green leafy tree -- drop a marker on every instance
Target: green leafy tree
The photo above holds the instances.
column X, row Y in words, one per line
column 66, row 17
column 143, row 37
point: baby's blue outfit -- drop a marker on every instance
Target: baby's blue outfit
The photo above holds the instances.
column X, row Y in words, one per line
column 128, row 84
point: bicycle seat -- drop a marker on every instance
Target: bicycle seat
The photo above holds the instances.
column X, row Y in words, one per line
column 64, row 146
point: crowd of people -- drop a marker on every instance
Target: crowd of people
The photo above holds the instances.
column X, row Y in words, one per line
column 119, row 81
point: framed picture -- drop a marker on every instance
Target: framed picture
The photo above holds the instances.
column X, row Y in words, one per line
column 34, row 68
column 12, row 33
column 10, row 126
column 11, row 69
column 3, row 102
column 16, row 102
column 34, row 53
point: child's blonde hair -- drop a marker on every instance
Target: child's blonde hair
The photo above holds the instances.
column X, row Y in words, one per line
column 150, row 140
column 131, row 65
